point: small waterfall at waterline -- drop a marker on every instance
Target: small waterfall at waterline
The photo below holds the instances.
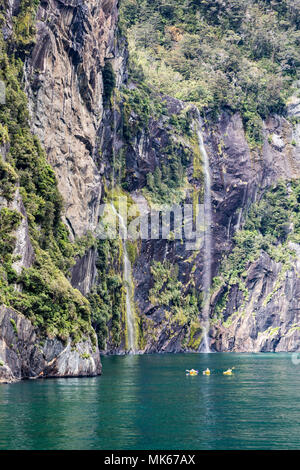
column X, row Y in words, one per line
column 130, row 323
column 207, row 241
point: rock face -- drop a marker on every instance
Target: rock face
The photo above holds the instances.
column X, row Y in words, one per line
column 83, row 274
column 23, row 355
column 65, row 89
column 241, row 176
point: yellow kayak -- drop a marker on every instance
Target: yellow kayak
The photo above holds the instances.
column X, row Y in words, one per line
column 228, row 372
column 192, row 372
column 206, row 372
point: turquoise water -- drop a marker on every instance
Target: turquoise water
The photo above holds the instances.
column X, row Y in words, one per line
column 147, row 402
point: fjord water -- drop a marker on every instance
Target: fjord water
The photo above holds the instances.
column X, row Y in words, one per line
column 147, row 402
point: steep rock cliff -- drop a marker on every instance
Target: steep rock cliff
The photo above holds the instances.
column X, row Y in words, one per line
column 65, row 88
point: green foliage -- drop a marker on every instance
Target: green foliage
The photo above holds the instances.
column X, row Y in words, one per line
column 9, row 222
column 141, row 106
column 182, row 308
column 132, row 251
column 137, row 105
column 85, row 356
column 167, row 289
column 4, row 136
column 49, row 301
column 272, row 215
column 235, row 54
column 137, row 110
column 26, row 160
column 13, row 323
column 8, row 180
column 109, row 81
column 163, row 185
column 195, row 336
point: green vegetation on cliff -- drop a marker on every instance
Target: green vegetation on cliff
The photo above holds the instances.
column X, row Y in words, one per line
column 243, row 55
column 182, row 309
column 142, row 108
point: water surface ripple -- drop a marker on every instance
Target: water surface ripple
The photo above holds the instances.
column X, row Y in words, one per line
column 147, row 402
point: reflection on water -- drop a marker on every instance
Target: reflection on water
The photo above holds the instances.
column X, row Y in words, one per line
column 147, row 402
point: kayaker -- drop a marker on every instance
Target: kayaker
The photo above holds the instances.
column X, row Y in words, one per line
column 192, row 372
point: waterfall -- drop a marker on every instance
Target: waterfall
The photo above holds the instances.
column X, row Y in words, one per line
column 207, row 241
column 130, row 324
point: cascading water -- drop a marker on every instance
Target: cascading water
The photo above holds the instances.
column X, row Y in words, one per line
column 207, row 240
column 130, row 324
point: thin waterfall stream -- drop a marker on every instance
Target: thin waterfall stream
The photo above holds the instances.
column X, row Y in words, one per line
column 207, row 257
column 130, row 324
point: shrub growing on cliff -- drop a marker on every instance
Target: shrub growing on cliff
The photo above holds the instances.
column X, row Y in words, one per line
column 8, row 180
column 9, row 221
column 50, row 302
column 109, row 81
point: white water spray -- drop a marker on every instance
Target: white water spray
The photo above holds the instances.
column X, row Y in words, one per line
column 130, row 324
column 207, row 241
